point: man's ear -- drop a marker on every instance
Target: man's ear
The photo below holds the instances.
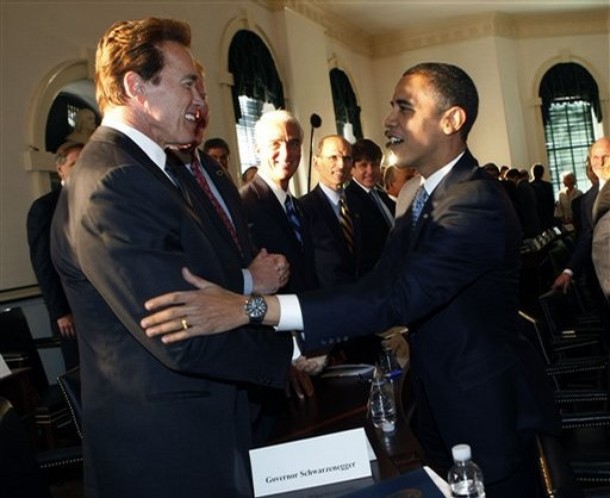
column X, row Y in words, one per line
column 133, row 83
column 453, row 119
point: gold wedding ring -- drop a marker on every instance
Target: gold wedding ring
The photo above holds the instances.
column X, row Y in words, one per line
column 185, row 324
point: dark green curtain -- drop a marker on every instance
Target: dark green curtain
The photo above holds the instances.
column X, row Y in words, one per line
column 345, row 103
column 569, row 80
column 254, row 72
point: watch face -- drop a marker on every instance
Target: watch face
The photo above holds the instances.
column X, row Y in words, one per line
column 256, row 308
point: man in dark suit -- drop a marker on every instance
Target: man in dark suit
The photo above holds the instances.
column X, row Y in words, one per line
column 337, row 250
column 450, row 272
column 600, row 162
column 277, row 224
column 274, row 216
column 373, row 205
column 545, row 199
column 38, row 225
column 125, row 227
column 580, row 265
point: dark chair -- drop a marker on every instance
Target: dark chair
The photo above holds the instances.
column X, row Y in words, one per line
column 577, row 369
column 557, row 477
column 20, row 349
column 23, row 472
column 566, row 319
column 69, row 383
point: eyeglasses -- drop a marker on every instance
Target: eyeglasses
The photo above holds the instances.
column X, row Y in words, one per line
column 335, row 158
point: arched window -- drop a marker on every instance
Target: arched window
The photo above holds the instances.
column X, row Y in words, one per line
column 347, row 111
column 570, row 113
column 256, row 89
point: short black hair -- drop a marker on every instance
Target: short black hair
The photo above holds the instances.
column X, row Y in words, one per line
column 366, row 149
column 216, row 143
column 453, row 88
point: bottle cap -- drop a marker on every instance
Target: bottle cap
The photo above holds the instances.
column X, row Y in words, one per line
column 461, row 452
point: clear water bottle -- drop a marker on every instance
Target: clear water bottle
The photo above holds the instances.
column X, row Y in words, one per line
column 389, row 363
column 382, row 406
column 465, row 478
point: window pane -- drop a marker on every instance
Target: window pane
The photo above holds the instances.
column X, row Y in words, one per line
column 569, row 134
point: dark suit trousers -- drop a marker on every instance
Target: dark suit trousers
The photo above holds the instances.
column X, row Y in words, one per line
column 519, row 478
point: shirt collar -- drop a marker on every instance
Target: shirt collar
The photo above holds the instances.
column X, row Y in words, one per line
column 333, row 195
column 277, row 191
column 435, row 178
column 152, row 149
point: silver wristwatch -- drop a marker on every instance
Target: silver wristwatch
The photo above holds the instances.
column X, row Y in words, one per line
column 256, row 308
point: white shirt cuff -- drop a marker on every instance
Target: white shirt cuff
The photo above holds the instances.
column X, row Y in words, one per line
column 567, row 271
column 291, row 317
column 248, row 281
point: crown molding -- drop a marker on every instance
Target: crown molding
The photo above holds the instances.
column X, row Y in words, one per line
column 586, row 22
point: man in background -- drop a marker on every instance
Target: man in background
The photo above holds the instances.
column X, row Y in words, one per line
column 394, row 178
column 600, row 162
column 335, row 227
column 373, row 205
column 277, row 223
column 219, row 150
column 39, row 220
column 545, row 199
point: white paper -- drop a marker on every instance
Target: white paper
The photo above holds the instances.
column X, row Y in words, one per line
column 311, row 462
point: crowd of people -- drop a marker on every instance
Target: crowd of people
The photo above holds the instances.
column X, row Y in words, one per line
column 195, row 303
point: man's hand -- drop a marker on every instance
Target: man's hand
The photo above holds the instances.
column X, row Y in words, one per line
column 299, row 383
column 180, row 315
column 269, row 272
column 562, row 282
column 311, row 366
column 66, row 326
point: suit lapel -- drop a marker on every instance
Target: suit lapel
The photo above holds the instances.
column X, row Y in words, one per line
column 276, row 210
column 460, row 171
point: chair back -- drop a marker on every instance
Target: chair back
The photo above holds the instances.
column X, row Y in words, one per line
column 69, row 382
column 16, row 341
column 556, row 474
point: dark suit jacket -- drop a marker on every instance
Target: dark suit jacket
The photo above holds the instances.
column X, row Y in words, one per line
column 159, row 420
column 545, row 202
column 333, row 262
column 580, row 260
column 39, row 220
column 453, row 280
column 271, row 229
column 601, row 238
column 38, row 225
column 374, row 228
column 527, row 209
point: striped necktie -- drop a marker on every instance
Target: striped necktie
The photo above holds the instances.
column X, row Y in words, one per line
column 421, row 196
column 293, row 217
column 195, row 168
column 345, row 219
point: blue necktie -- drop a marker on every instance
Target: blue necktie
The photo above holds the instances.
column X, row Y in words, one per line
column 421, row 196
column 293, row 217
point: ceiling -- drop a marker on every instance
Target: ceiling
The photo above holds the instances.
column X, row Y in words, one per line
column 377, row 17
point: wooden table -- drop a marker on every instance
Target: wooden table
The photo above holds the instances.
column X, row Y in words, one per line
column 341, row 404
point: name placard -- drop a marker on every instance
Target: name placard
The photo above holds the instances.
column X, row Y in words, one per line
column 316, row 461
